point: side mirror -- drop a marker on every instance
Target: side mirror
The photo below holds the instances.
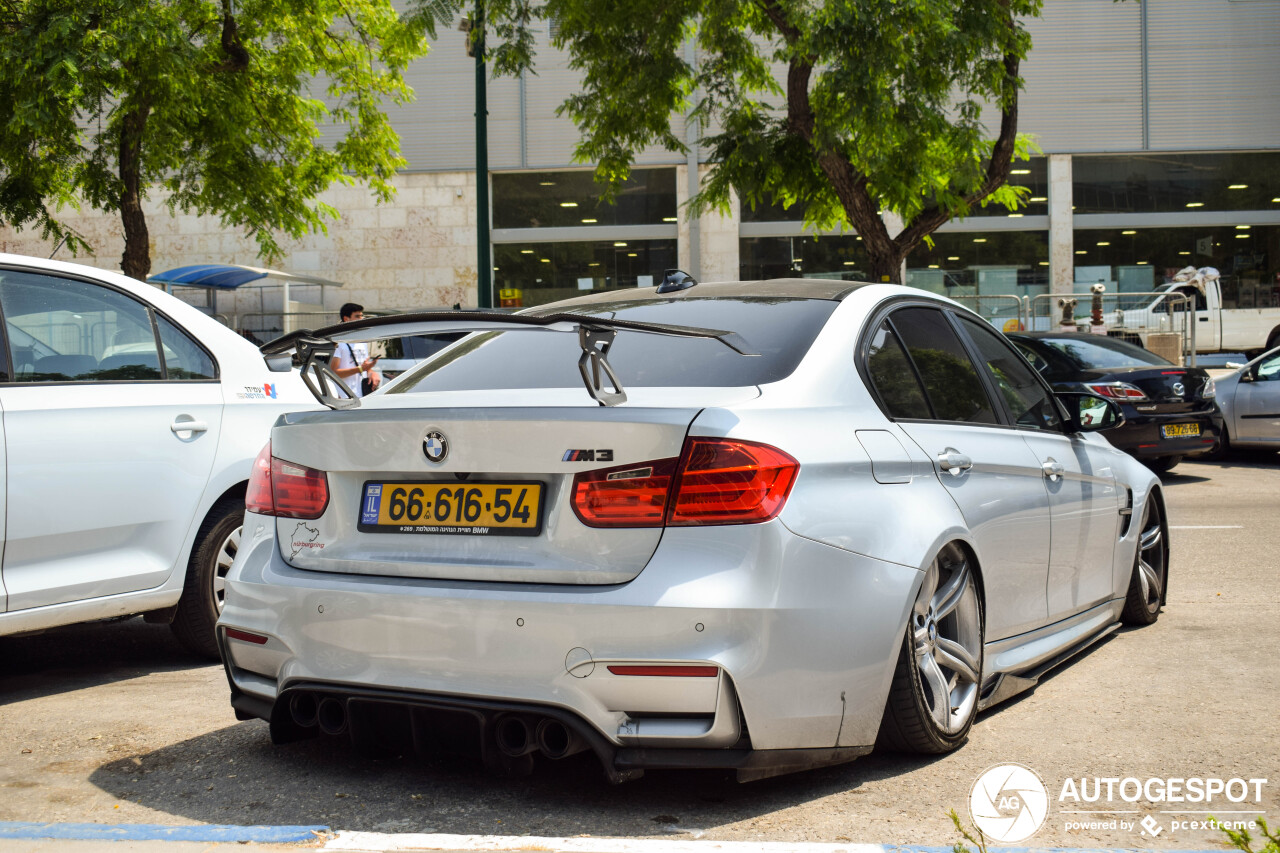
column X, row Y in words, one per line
column 1090, row 413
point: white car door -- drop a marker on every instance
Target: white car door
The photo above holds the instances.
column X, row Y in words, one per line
column 1257, row 403
column 111, row 420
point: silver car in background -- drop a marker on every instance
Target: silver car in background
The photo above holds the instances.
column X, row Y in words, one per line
column 1250, row 403
column 763, row 526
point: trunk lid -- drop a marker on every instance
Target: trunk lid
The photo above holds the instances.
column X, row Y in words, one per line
column 534, row 440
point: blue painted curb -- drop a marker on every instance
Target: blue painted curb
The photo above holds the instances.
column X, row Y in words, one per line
column 155, row 832
column 996, row 848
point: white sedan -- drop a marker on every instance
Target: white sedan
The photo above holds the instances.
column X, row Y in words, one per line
column 130, row 425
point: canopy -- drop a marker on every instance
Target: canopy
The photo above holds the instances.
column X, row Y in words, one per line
column 230, row 276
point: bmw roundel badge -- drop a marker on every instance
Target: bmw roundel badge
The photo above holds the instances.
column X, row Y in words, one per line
column 436, row 446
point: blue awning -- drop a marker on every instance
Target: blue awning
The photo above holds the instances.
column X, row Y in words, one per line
column 230, row 276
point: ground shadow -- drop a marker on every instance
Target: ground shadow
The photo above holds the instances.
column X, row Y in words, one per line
column 235, row 775
column 73, row 657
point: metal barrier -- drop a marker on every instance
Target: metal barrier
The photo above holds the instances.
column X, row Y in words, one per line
column 1161, row 321
column 271, row 324
column 1008, row 313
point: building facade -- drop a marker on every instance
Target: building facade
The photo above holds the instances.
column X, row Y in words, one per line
column 1158, row 123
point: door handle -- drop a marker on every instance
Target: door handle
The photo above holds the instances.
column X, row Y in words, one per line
column 188, row 426
column 1053, row 469
column 953, row 461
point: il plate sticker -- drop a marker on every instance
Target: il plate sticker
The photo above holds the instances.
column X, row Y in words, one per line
column 372, row 503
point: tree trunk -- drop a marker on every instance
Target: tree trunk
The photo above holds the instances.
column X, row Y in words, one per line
column 886, row 264
column 136, row 262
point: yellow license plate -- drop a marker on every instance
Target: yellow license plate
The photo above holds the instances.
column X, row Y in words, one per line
column 473, row 509
column 1180, row 430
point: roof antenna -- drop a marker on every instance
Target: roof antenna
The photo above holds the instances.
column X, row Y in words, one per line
column 673, row 280
column 59, row 246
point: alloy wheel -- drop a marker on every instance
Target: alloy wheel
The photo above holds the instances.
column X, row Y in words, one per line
column 226, row 556
column 1151, row 558
column 946, row 626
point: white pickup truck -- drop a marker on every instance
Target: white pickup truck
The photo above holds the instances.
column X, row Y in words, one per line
column 1217, row 328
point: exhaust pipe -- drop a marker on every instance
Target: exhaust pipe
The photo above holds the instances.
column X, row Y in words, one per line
column 302, row 707
column 556, row 740
column 331, row 714
column 515, row 736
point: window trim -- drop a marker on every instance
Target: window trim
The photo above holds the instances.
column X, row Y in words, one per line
column 7, row 378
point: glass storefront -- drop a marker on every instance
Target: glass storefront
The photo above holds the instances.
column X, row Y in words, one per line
column 1165, row 183
column 572, row 199
column 528, row 274
column 988, row 263
column 840, row 257
column 1132, row 260
column 1032, row 174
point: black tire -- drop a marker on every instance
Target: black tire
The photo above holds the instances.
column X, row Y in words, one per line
column 1150, row 577
column 908, row 724
column 200, row 604
column 1162, row 464
column 1221, row 450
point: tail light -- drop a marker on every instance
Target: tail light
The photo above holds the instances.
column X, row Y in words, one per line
column 277, row 487
column 1122, row 391
column 1209, row 391
column 714, row 481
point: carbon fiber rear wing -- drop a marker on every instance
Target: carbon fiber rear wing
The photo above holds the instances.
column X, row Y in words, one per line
column 313, row 349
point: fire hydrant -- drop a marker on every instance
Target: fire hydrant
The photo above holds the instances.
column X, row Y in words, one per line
column 1096, row 324
column 1068, row 321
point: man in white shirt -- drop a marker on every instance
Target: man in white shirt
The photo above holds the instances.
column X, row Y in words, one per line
column 351, row 361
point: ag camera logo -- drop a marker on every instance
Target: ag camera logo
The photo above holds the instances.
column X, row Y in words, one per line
column 1009, row 803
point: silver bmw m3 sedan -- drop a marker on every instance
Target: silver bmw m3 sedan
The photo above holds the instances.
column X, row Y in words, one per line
column 762, row 526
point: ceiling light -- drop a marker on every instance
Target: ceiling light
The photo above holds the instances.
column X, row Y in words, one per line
column 669, row 219
column 594, row 264
column 1184, row 253
column 954, row 258
column 1275, row 201
column 526, row 251
column 1015, row 215
column 588, row 222
column 631, row 254
column 1019, row 171
column 568, row 204
column 1243, row 227
column 859, row 238
column 619, row 244
column 546, row 183
column 1129, row 233
column 1081, row 252
column 848, row 263
column 797, row 260
column 1038, row 198
column 933, row 266
column 1142, row 263
column 545, row 260
column 495, row 269
column 1104, row 244
column 1044, row 263
column 1238, row 187
column 1242, row 236
column 1195, row 204
column 979, row 239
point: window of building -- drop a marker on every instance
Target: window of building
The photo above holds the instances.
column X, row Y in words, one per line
column 1136, row 260
column 572, row 199
column 833, row 256
column 982, row 263
column 537, row 273
column 1150, row 183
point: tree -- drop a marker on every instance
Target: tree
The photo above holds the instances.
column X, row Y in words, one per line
column 220, row 106
column 848, row 107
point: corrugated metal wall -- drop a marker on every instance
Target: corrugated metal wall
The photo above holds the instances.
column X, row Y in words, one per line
column 1213, row 78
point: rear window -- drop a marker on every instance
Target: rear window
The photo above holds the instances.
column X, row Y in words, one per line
column 1101, row 352
column 780, row 329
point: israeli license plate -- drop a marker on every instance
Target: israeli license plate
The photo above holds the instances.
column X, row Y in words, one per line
column 470, row 509
column 1180, row 430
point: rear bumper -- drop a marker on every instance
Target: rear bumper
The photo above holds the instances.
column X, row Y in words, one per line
column 1141, row 436
column 805, row 637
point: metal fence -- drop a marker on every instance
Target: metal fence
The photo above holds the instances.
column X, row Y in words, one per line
column 1007, row 313
column 1162, row 321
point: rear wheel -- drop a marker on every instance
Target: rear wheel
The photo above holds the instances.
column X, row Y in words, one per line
column 1162, row 464
column 1150, row 570
column 934, row 697
column 206, row 582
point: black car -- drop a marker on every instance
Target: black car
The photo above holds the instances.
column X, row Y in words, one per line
column 1169, row 410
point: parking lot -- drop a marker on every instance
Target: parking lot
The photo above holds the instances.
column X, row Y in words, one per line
column 114, row 723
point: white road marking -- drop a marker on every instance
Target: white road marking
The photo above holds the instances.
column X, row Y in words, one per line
column 1206, row 527
column 377, row 842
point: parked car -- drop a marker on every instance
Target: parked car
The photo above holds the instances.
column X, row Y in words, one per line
column 751, row 525
column 1250, row 401
column 1169, row 411
column 130, row 422
column 400, row 354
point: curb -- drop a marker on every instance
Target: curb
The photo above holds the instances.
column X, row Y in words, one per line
column 206, row 833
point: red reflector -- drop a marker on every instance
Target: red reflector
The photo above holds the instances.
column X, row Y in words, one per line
column 237, row 634
column 298, row 491
column 678, row 671
column 727, row 481
column 257, row 498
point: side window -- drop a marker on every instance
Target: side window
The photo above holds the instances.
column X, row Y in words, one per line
column 1037, row 360
column 1028, row 400
column 892, row 377
column 66, row 330
column 1269, row 370
column 950, row 380
column 183, row 357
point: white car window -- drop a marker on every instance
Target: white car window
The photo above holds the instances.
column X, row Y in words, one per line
column 1268, row 369
column 183, row 357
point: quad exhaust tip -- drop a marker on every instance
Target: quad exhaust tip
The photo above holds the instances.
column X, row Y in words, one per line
column 331, row 715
